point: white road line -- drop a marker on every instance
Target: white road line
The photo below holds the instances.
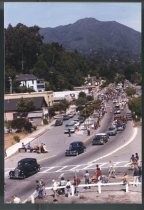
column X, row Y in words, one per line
column 116, row 163
column 88, row 166
column 102, row 164
column 119, row 148
column 128, row 164
column 45, row 171
column 74, row 168
column 61, row 169
column 91, row 166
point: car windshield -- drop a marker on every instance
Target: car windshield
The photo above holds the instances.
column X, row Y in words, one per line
column 110, row 129
column 75, row 145
column 97, row 137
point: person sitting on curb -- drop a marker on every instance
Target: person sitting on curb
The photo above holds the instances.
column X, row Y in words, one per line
column 45, row 148
column 29, row 147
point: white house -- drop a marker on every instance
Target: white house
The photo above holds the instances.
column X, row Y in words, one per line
column 31, row 81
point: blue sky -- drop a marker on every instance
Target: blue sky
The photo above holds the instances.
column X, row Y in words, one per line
column 52, row 14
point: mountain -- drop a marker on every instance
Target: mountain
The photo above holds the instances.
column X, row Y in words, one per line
column 91, row 36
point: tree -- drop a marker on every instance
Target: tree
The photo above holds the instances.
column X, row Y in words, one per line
column 21, row 124
column 81, row 101
column 61, row 106
column 90, row 98
column 22, row 46
column 82, row 95
column 130, row 91
column 135, row 105
column 24, row 106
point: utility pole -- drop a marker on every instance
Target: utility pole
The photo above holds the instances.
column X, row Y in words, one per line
column 10, row 80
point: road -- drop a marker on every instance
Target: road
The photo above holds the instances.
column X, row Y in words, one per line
column 55, row 163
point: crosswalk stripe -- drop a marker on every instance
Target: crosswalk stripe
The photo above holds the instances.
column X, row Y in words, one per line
column 45, row 171
column 74, row 168
column 61, row 169
column 88, row 166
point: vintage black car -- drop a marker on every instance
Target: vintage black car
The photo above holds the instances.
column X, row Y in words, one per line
column 75, row 148
column 26, row 167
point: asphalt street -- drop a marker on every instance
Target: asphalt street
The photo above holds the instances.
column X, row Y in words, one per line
column 54, row 163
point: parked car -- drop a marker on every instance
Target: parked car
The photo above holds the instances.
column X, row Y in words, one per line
column 71, row 128
column 112, row 131
column 81, row 119
column 58, row 122
column 120, row 126
column 118, row 111
column 66, row 117
column 76, row 122
column 25, row 167
column 75, row 148
column 100, row 139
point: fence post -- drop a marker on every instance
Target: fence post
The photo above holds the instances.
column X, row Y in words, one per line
column 127, row 188
column 99, row 187
column 32, row 199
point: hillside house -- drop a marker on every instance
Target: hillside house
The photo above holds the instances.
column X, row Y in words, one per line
column 31, row 81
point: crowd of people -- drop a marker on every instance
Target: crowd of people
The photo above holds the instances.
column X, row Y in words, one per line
column 68, row 187
column 39, row 148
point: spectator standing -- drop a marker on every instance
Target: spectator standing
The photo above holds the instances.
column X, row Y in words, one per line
column 111, row 170
column 63, row 183
column 54, row 189
column 88, row 131
column 139, row 173
column 135, row 176
column 68, row 188
column 132, row 161
column 76, row 182
column 136, row 157
column 69, row 132
column 125, row 178
column 87, row 178
column 98, row 172
column 40, row 188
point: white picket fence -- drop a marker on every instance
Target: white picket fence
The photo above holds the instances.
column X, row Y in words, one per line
column 99, row 186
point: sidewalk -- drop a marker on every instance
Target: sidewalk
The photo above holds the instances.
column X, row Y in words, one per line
column 111, row 197
column 13, row 149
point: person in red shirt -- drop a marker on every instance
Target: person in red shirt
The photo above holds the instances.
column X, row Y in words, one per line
column 98, row 172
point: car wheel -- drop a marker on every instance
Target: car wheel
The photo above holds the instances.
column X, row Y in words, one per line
column 23, row 176
column 10, row 175
column 38, row 169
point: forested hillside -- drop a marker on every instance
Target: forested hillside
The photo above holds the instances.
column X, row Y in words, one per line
column 25, row 52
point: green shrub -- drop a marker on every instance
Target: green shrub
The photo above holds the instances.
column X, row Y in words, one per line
column 45, row 122
column 16, row 138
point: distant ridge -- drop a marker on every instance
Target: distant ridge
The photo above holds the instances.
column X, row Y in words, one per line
column 91, row 36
